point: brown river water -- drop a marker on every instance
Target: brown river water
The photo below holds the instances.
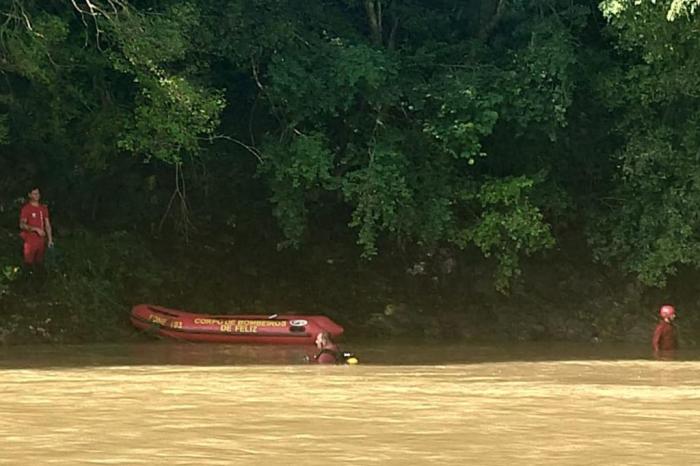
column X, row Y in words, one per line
column 185, row 404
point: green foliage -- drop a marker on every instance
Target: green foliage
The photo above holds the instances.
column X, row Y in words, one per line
column 305, row 163
column 471, row 123
column 643, row 28
column 170, row 118
column 329, row 82
column 303, row 166
column 539, row 90
column 651, row 230
column 457, row 115
column 509, row 225
column 148, row 39
column 654, row 231
column 4, row 131
column 8, row 274
column 381, row 195
column 681, row 8
column 93, row 274
column 403, row 132
column 29, row 51
column 171, row 112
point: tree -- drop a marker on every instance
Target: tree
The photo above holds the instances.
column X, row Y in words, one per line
column 653, row 228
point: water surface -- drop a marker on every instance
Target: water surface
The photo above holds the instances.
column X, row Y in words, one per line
column 184, row 404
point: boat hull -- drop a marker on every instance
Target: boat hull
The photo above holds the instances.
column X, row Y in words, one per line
column 245, row 329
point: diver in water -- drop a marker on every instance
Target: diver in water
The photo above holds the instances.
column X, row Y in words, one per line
column 328, row 352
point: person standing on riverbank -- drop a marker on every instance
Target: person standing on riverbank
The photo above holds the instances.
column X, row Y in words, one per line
column 35, row 228
column 665, row 335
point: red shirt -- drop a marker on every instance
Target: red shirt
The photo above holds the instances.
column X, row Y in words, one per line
column 34, row 216
column 665, row 338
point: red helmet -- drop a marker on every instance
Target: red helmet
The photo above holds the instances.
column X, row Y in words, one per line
column 667, row 311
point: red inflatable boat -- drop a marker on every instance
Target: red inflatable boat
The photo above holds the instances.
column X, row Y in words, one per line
column 251, row 329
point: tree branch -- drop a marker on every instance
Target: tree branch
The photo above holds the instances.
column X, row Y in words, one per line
column 247, row 147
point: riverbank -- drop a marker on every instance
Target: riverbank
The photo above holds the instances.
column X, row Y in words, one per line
column 91, row 280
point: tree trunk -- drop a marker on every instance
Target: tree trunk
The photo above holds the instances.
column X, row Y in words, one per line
column 374, row 16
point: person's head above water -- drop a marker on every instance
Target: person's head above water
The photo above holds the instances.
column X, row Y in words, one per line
column 323, row 339
column 667, row 312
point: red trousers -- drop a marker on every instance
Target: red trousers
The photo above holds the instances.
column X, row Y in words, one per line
column 34, row 249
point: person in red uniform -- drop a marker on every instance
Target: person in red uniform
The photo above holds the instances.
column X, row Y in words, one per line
column 328, row 351
column 665, row 336
column 35, row 228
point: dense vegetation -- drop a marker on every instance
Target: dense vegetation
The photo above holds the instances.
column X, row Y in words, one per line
column 169, row 135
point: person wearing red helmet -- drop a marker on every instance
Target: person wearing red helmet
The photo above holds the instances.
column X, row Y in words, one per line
column 665, row 336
